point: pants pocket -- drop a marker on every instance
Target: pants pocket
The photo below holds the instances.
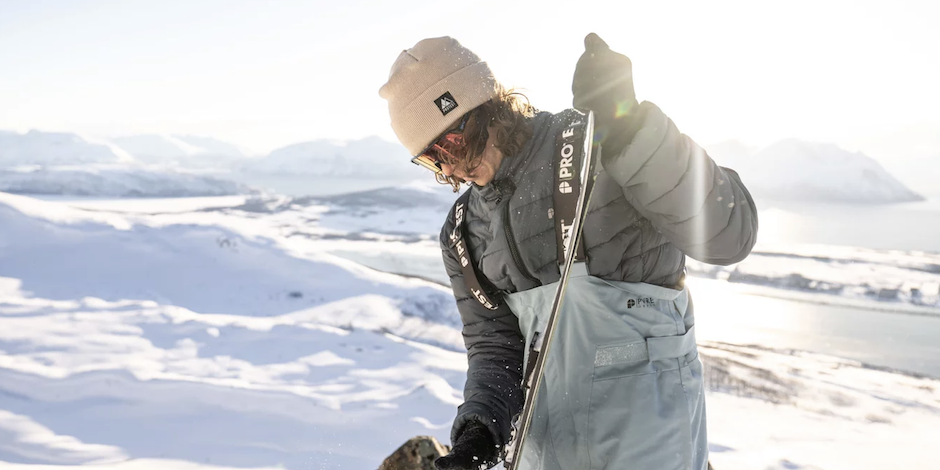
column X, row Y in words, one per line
column 639, row 415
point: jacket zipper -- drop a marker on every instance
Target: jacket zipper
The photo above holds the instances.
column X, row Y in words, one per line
column 514, row 250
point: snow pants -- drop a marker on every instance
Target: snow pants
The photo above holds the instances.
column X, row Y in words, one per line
column 623, row 382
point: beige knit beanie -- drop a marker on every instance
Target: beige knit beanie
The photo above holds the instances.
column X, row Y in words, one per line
column 431, row 86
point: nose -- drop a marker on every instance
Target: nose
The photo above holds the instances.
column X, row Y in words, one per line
column 447, row 169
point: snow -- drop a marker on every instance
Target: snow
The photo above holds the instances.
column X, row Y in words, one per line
column 227, row 333
column 794, row 170
column 156, row 205
column 260, row 393
column 806, row 411
column 240, row 333
column 197, row 260
column 136, row 464
column 34, row 440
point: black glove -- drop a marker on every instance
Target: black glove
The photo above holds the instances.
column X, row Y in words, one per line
column 474, row 449
column 603, row 83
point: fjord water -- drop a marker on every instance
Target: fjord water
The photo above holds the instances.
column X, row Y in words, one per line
column 911, row 226
column 900, row 341
column 877, row 337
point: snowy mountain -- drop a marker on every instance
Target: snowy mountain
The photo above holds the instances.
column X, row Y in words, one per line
column 180, row 150
column 921, row 173
column 113, row 181
column 793, row 170
column 67, row 164
column 370, row 157
column 55, row 148
column 731, row 153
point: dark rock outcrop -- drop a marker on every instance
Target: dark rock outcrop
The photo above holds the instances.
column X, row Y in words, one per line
column 418, row 453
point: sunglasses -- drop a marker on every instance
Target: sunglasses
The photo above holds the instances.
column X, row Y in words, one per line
column 442, row 149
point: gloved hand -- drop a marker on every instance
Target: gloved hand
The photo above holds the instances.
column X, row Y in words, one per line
column 474, row 449
column 603, row 83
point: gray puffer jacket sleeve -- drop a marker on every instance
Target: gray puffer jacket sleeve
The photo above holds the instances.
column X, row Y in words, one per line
column 495, row 345
column 702, row 208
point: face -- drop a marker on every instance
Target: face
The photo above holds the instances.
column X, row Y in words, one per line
column 484, row 173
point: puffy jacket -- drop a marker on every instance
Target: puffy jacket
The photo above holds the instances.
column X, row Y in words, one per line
column 660, row 199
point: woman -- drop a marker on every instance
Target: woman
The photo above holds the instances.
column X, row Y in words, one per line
column 623, row 385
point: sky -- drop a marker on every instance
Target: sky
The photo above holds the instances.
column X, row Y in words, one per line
column 265, row 74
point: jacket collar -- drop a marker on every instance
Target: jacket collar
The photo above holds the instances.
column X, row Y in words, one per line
column 504, row 182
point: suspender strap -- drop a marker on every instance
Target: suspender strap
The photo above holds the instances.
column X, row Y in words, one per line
column 459, row 247
column 569, row 152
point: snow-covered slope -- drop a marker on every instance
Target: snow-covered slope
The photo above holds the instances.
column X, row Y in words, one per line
column 160, row 329
column 52, row 148
column 114, row 181
column 205, row 261
column 371, row 157
column 794, row 170
column 391, row 229
column 219, row 339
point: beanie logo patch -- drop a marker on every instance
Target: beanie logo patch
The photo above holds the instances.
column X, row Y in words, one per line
column 446, row 103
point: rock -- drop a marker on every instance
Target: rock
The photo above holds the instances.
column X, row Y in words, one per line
column 888, row 294
column 418, row 453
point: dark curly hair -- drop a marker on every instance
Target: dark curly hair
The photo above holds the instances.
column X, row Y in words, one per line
column 509, row 115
